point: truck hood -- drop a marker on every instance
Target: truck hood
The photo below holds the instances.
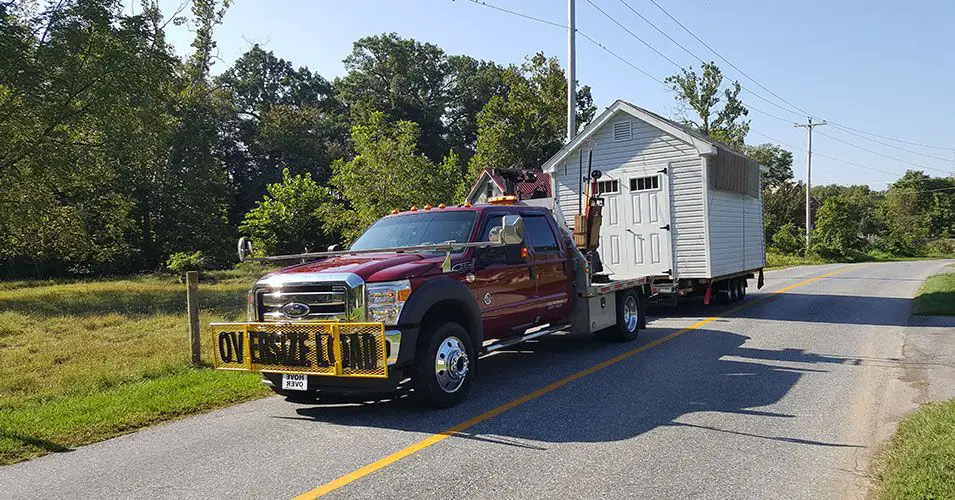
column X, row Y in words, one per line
column 369, row 267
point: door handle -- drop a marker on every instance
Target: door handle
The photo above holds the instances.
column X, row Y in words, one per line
column 667, row 227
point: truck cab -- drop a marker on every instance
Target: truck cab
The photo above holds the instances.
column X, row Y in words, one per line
column 420, row 294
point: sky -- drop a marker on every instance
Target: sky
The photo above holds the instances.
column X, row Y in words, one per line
column 875, row 66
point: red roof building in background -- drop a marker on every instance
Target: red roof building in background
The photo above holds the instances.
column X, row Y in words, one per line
column 489, row 185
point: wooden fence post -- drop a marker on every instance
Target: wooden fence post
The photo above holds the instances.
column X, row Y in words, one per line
column 192, row 303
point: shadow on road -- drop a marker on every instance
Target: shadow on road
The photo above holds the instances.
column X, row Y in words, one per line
column 852, row 309
column 701, row 371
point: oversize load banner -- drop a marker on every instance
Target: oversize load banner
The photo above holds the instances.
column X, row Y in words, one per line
column 337, row 349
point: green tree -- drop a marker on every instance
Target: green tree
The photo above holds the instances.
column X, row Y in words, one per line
column 196, row 198
column 404, row 79
column 412, row 81
column 784, row 205
column 838, row 224
column 703, row 93
column 789, row 239
column 82, row 111
column 778, row 160
column 386, row 173
column 281, row 117
column 528, row 125
column 289, row 218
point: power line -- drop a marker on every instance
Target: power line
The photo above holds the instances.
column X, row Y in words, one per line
column 644, row 42
column 650, row 76
column 711, row 49
column 520, row 14
column 622, row 59
column 833, row 158
column 900, row 148
column 850, row 129
column 919, row 165
column 641, row 40
column 777, row 96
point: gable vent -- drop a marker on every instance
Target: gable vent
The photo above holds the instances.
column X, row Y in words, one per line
column 623, row 131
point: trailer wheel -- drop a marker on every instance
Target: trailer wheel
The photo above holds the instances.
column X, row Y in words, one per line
column 725, row 294
column 444, row 367
column 629, row 316
column 742, row 288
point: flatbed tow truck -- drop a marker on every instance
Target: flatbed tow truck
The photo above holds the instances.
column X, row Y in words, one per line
column 397, row 306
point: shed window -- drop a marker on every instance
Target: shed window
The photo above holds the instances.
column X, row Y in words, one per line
column 645, row 183
column 623, row 131
column 610, row 186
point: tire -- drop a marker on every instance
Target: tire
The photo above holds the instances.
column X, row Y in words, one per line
column 742, row 288
column 724, row 292
column 630, row 312
column 444, row 366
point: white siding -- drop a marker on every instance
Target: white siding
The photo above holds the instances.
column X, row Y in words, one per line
column 649, row 147
column 736, row 232
column 689, row 224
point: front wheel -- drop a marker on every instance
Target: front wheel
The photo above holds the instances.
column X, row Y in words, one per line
column 442, row 373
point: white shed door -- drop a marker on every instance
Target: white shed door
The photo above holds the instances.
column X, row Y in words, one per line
column 635, row 233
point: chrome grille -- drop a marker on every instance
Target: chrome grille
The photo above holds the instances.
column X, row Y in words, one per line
column 328, row 302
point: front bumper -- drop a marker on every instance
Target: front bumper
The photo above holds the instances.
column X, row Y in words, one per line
column 328, row 349
column 332, row 354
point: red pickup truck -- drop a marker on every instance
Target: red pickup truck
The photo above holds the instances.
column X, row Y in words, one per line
column 420, row 296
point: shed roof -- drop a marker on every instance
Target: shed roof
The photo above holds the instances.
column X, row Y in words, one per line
column 703, row 143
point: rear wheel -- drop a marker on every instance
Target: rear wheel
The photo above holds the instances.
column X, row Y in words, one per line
column 442, row 372
column 629, row 316
column 742, row 288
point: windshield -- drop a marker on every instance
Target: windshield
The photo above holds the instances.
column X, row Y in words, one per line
column 410, row 230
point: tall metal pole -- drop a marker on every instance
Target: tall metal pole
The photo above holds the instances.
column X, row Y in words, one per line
column 571, row 73
column 809, row 126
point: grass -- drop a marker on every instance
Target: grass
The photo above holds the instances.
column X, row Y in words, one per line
column 82, row 361
column 920, row 459
column 937, row 296
column 778, row 260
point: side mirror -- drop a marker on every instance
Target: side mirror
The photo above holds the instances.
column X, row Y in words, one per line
column 245, row 249
column 511, row 231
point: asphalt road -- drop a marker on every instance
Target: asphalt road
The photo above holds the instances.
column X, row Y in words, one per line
column 787, row 397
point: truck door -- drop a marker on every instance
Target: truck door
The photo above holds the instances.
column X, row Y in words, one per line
column 504, row 286
column 550, row 267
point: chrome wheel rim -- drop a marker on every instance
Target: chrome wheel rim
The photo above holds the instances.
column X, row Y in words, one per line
column 451, row 364
column 631, row 316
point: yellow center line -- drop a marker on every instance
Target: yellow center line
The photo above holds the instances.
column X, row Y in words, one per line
column 437, row 438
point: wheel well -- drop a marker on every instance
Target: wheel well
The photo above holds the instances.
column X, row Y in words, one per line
column 453, row 311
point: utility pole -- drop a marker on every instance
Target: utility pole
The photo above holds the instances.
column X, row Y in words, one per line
column 571, row 73
column 809, row 127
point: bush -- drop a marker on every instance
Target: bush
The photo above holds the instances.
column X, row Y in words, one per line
column 287, row 220
column 181, row 262
column 828, row 252
column 940, row 248
column 789, row 239
column 900, row 246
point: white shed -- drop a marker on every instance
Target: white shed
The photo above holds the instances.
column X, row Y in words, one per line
column 677, row 203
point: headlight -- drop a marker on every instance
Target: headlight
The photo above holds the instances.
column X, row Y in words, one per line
column 385, row 300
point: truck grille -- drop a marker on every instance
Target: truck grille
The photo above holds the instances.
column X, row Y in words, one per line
column 323, row 303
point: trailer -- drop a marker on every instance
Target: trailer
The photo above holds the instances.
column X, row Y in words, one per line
column 680, row 209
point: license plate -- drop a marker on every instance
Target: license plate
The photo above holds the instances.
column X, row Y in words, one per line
column 294, row 382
